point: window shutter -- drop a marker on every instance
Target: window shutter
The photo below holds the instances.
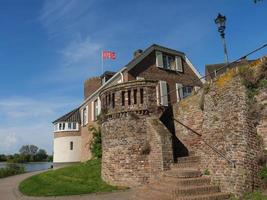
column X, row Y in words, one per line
column 82, row 117
column 93, row 111
column 159, row 59
column 163, row 93
column 179, row 65
column 86, row 115
column 179, row 91
column 99, row 106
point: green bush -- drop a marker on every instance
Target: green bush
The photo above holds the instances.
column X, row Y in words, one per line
column 96, row 144
column 263, row 173
column 11, row 169
column 206, row 172
column 254, row 196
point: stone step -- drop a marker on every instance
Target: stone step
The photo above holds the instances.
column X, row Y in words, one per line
column 213, row 196
column 183, row 173
column 173, row 181
column 185, row 164
column 188, row 159
column 196, row 190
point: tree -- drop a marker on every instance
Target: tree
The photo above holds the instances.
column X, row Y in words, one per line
column 28, row 150
column 40, row 155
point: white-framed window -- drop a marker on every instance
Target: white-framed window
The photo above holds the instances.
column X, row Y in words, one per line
column 169, row 62
column 96, row 108
column 66, row 126
column 183, row 91
column 187, row 90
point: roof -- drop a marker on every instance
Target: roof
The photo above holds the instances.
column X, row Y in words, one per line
column 220, row 68
column 72, row 116
column 145, row 53
column 107, row 73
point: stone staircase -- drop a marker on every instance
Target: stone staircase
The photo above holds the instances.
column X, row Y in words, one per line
column 182, row 182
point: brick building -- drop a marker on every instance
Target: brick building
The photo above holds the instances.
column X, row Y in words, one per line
column 175, row 78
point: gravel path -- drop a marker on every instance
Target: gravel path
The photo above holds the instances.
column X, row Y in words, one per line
column 9, row 191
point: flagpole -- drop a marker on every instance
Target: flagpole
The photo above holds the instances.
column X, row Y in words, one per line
column 102, row 62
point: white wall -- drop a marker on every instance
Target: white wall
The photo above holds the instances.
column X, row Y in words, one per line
column 62, row 152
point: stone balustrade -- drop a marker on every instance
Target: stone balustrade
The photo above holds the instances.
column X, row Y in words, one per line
column 139, row 97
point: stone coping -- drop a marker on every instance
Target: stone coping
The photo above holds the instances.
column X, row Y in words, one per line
column 146, row 83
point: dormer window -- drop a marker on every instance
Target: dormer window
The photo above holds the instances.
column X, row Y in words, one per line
column 169, row 62
column 66, row 126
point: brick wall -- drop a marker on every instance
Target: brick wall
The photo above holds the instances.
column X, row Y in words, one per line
column 148, row 70
column 91, row 85
column 225, row 124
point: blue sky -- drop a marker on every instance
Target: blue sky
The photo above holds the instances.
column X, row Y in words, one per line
column 49, row 47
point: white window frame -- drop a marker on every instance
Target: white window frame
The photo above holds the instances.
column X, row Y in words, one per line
column 66, row 125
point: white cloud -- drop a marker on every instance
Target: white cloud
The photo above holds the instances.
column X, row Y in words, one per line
column 8, row 140
column 81, row 51
column 28, row 121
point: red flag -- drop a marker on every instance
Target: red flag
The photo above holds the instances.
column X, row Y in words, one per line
column 108, row 55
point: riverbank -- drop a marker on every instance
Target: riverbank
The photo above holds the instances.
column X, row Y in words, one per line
column 30, row 166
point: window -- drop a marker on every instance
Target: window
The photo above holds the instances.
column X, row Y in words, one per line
column 123, row 98
column 60, row 126
column 69, row 125
column 187, row 90
column 141, row 95
column 135, row 96
column 113, row 100
column 169, row 62
column 71, row 145
column 129, row 97
column 74, row 126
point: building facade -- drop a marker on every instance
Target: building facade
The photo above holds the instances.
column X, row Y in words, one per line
column 173, row 76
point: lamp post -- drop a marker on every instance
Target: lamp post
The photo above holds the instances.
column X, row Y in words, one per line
column 220, row 21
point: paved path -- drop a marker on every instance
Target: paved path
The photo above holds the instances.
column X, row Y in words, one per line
column 9, row 191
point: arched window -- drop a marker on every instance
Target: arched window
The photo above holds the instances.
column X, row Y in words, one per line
column 71, row 145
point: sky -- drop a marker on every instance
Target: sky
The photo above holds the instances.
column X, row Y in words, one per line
column 49, row 47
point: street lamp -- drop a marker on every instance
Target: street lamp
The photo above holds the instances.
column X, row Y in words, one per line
column 220, row 21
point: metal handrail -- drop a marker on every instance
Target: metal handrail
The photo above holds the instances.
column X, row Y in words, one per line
column 210, row 146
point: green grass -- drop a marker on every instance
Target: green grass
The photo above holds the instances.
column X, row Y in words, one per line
column 72, row 180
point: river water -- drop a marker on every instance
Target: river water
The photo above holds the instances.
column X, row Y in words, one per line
column 32, row 166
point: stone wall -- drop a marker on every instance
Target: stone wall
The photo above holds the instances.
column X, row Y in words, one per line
column 135, row 144
column 220, row 113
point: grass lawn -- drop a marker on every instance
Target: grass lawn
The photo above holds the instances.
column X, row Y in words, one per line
column 72, row 180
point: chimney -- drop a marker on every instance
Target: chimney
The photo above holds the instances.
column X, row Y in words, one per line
column 137, row 53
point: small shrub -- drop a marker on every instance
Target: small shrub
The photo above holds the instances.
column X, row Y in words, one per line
column 202, row 101
column 254, row 196
column 96, row 146
column 11, row 169
column 263, row 173
column 206, row 172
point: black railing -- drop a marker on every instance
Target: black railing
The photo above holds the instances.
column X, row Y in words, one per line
column 206, row 143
